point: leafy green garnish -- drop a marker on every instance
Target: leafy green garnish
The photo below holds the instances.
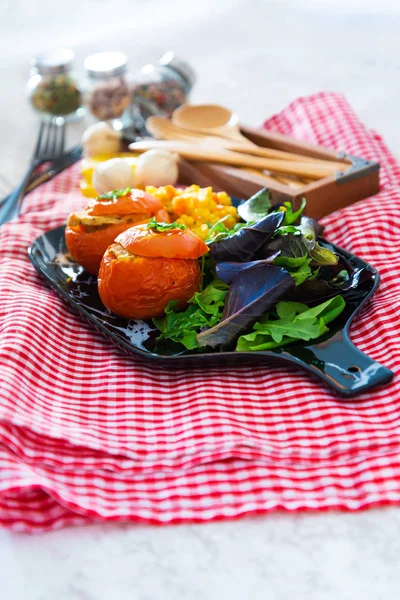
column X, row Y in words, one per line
column 290, row 216
column 115, row 194
column 303, row 273
column 219, row 231
column 289, row 322
column 163, row 226
column 299, row 268
column 205, row 310
column 285, row 229
column 257, row 207
column 290, row 263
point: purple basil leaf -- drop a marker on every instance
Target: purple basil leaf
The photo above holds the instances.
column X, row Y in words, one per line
column 227, row 271
column 243, row 245
column 251, row 294
column 290, row 245
column 314, row 291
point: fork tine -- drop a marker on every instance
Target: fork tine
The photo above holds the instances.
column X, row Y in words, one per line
column 39, row 140
column 55, row 139
column 62, row 140
column 47, row 143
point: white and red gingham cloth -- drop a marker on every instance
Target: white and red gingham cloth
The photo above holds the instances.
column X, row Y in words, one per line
column 88, row 433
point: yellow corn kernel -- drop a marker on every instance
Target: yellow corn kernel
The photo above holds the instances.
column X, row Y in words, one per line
column 182, row 206
column 203, row 214
column 163, row 194
column 230, row 222
column 186, row 220
column 201, row 231
column 222, row 198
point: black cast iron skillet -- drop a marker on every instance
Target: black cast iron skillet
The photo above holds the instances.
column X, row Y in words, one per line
column 334, row 359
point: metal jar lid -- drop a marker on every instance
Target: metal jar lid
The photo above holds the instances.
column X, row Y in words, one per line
column 182, row 67
column 106, row 64
column 55, row 62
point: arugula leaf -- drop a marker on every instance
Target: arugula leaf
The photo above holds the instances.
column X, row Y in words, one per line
column 219, row 231
column 289, row 309
column 289, row 322
column 290, row 263
column 211, row 297
column 284, row 229
column 204, row 310
column 115, row 194
column 256, row 207
column 328, row 310
column 252, row 292
column 163, row 226
column 303, row 273
column 290, row 216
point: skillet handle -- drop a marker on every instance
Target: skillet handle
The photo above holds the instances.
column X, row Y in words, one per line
column 344, row 367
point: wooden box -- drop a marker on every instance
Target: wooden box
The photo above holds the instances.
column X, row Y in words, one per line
column 324, row 196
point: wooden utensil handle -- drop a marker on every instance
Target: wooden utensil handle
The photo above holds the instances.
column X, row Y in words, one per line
column 280, row 154
column 238, row 159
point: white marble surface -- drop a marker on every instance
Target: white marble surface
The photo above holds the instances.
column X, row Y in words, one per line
column 254, row 56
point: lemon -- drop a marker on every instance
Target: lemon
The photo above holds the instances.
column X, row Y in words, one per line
column 88, row 166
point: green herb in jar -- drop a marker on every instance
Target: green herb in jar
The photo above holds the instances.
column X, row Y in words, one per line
column 58, row 95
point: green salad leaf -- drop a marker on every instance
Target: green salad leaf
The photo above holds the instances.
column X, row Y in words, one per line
column 256, row 207
column 164, row 226
column 205, row 310
column 219, row 231
column 290, row 216
column 289, row 322
column 115, row 194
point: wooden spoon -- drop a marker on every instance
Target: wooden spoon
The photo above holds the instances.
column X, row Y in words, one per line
column 163, row 128
column 197, row 152
column 211, row 119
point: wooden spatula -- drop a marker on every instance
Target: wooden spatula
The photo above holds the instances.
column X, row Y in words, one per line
column 201, row 153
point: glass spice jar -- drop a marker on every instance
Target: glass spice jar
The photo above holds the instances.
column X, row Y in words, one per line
column 163, row 86
column 108, row 92
column 53, row 88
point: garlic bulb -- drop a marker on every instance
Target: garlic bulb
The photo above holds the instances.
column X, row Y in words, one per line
column 101, row 138
column 113, row 174
column 157, row 167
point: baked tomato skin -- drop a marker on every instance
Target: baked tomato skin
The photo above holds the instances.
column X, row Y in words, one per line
column 173, row 243
column 139, row 287
column 136, row 201
column 87, row 248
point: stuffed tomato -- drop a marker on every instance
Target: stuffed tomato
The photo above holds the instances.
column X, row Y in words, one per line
column 147, row 267
column 89, row 233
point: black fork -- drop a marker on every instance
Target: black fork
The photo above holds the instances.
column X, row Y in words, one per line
column 49, row 146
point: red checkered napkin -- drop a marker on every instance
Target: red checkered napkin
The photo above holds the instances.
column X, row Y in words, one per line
column 88, row 433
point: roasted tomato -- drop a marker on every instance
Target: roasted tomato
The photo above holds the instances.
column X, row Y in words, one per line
column 172, row 243
column 89, row 233
column 136, row 201
column 139, row 286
